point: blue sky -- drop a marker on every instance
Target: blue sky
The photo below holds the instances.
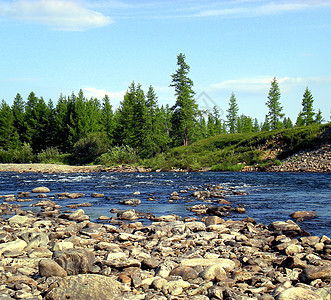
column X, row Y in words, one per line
column 54, row 46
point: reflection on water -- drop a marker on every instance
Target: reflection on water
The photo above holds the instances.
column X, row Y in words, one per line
column 271, row 196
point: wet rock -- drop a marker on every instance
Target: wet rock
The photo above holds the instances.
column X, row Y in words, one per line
column 78, row 215
column 288, row 227
column 130, row 214
column 97, row 195
column 41, row 189
column 49, row 268
column 132, row 202
column 85, row 287
column 75, row 261
column 303, row 215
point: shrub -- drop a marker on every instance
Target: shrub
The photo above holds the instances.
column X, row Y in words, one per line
column 87, row 149
column 118, row 155
column 49, row 155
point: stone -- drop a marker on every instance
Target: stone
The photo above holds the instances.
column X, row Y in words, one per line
column 303, row 215
column 85, row 287
column 75, row 261
column 297, row 293
column 60, row 246
column 195, row 226
column 150, row 263
column 132, row 202
column 97, row 195
column 185, row 272
column 130, row 214
column 49, row 268
column 284, row 226
column 18, row 219
column 41, row 189
column 316, row 272
column 227, row 264
column 213, row 220
column 293, row 262
column 16, row 245
column 78, row 215
column 213, row 272
column 293, row 249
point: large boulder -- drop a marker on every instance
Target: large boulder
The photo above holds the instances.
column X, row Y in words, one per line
column 75, row 261
column 311, row 273
column 85, row 287
column 296, row 293
column 303, row 215
column 41, row 189
column 49, row 268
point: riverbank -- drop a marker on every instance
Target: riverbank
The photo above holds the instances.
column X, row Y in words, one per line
column 51, row 253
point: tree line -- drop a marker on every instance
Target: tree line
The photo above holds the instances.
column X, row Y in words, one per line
column 89, row 128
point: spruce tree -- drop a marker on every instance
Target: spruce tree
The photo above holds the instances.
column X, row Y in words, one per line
column 18, row 109
column 232, row 114
column 319, row 119
column 8, row 133
column 307, row 112
column 184, row 114
column 275, row 109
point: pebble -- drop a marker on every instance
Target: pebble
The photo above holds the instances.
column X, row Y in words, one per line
column 49, row 256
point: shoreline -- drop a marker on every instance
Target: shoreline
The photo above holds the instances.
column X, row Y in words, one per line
column 59, row 168
column 49, row 253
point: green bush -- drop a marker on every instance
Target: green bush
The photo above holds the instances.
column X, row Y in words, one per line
column 21, row 155
column 87, row 149
column 49, row 155
column 118, row 155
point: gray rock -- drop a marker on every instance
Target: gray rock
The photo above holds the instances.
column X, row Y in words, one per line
column 49, row 268
column 132, row 202
column 185, row 272
column 75, row 261
column 85, row 287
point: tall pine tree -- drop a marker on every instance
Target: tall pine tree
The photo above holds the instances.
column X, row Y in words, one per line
column 275, row 109
column 185, row 109
column 232, row 114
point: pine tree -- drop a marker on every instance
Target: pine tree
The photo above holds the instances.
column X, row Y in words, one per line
column 107, row 120
column 232, row 114
column 184, row 114
column 18, row 109
column 8, row 134
column 275, row 109
column 319, row 119
column 307, row 112
column 256, row 127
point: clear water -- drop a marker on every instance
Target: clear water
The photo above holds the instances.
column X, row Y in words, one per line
column 271, row 196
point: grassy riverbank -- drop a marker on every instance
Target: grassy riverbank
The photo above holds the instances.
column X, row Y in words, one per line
column 228, row 152
column 234, row 152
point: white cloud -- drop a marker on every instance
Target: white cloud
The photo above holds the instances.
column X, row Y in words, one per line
column 265, row 8
column 59, row 14
column 114, row 97
column 256, row 85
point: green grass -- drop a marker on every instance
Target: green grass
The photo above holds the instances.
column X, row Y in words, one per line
column 232, row 152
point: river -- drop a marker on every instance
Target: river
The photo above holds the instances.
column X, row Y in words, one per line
column 271, row 196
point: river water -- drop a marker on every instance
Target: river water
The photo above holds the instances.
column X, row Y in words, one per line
column 271, row 196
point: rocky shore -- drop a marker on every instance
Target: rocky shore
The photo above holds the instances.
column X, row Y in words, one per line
column 58, row 254
column 318, row 160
